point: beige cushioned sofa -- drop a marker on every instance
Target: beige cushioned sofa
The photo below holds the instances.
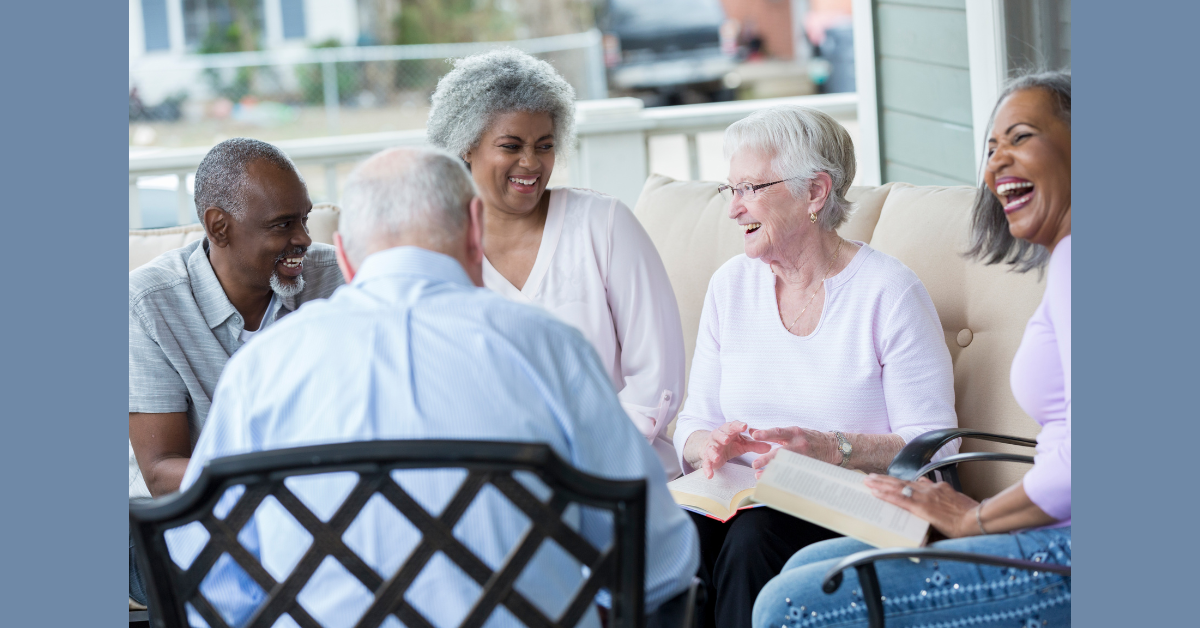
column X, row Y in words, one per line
column 983, row 309
column 147, row 244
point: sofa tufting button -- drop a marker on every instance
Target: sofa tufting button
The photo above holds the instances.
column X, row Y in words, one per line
column 964, row 337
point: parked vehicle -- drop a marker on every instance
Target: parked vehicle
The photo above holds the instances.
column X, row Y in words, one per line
column 670, row 50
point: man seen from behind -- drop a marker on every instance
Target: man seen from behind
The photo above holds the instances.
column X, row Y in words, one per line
column 414, row 348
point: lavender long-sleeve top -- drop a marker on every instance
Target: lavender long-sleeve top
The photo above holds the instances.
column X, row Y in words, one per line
column 1041, row 382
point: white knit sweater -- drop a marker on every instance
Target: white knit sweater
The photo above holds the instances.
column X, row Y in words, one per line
column 876, row 363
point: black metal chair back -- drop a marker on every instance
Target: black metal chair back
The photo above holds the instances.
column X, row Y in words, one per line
column 620, row 567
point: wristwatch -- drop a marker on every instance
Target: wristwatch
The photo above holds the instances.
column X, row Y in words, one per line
column 845, row 447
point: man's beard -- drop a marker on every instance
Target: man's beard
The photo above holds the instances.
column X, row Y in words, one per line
column 283, row 288
column 286, row 289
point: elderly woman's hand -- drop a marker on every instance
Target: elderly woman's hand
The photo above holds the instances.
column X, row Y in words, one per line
column 951, row 512
column 803, row 441
column 727, row 442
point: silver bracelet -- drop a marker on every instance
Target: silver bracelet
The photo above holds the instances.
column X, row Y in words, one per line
column 979, row 517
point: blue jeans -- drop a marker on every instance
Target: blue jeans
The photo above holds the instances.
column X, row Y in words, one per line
column 929, row 593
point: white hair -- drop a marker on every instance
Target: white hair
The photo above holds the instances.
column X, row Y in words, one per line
column 286, row 290
column 801, row 142
column 483, row 86
column 404, row 192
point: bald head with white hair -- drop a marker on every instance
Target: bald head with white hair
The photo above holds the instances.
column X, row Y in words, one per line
column 411, row 197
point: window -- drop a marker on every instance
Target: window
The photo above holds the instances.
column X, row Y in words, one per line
column 293, row 18
column 154, row 25
column 222, row 25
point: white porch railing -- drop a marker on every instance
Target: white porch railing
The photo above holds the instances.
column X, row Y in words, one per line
column 612, row 156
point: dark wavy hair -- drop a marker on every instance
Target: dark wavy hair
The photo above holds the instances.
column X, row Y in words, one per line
column 991, row 240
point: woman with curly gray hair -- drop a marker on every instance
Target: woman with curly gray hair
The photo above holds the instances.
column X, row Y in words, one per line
column 577, row 253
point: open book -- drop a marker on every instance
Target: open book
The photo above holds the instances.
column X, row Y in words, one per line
column 721, row 497
column 836, row 498
column 818, row 492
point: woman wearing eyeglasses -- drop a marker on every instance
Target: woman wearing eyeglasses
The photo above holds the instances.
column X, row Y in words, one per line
column 809, row 342
column 579, row 254
column 1021, row 217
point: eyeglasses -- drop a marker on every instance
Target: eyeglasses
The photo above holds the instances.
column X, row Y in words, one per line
column 743, row 190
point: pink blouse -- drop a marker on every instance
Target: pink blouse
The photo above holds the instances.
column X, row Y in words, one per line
column 1041, row 382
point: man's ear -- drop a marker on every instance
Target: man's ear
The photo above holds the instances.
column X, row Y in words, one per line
column 474, row 244
column 343, row 261
column 216, row 226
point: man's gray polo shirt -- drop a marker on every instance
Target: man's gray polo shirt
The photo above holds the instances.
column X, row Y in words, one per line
column 182, row 330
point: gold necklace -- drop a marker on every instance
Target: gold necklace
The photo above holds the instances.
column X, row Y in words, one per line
column 814, row 294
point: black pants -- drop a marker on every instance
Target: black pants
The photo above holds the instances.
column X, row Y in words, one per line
column 137, row 586
column 738, row 557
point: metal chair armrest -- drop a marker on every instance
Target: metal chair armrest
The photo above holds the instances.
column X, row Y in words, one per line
column 919, row 451
column 978, row 456
column 864, row 564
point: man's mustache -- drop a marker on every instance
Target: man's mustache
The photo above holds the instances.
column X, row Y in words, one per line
column 300, row 250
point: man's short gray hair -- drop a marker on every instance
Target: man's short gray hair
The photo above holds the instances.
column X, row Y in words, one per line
column 405, row 192
column 801, row 142
column 221, row 176
column 482, row 86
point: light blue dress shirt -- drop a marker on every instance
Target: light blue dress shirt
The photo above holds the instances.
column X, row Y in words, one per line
column 409, row 350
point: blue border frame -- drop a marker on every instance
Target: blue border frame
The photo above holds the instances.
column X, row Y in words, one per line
column 64, row 380
column 1134, row 140
column 1135, row 307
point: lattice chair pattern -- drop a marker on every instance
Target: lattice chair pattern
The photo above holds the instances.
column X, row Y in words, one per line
column 619, row 567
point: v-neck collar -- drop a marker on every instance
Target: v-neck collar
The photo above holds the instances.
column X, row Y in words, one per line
column 551, row 233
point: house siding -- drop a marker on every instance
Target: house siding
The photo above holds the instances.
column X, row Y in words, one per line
column 924, row 92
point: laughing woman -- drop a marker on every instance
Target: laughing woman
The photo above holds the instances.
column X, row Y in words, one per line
column 577, row 253
column 807, row 342
column 1022, row 216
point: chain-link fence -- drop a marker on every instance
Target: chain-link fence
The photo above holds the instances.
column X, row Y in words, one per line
column 304, row 92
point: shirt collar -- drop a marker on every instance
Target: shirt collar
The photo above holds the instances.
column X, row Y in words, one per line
column 210, row 296
column 412, row 260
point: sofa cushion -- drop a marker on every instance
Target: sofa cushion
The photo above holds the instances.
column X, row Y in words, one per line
column 983, row 310
column 147, row 244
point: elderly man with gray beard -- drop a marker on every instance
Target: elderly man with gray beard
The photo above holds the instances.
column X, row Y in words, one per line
column 191, row 308
column 415, row 348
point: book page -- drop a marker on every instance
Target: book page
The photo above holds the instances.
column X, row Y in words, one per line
column 726, row 483
column 811, row 479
